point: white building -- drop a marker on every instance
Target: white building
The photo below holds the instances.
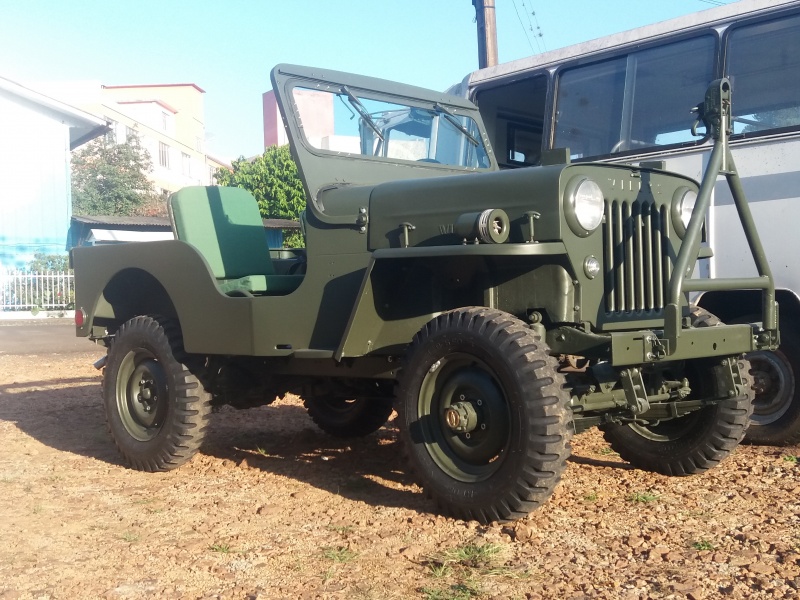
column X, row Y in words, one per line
column 37, row 134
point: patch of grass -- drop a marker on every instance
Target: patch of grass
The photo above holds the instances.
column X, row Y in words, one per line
column 341, row 529
column 473, row 556
column 339, row 554
column 591, row 497
column 140, row 501
column 220, row 547
column 790, row 458
column 37, row 509
column 261, row 451
column 130, row 536
column 439, row 570
column 643, row 497
column 458, row 591
column 607, row 452
column 703, row 545
column 328, row 574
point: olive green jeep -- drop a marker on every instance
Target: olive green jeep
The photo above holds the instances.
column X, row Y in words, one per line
column 497, row 312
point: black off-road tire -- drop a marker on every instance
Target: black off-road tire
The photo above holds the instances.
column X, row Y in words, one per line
column 776, row 378
column 347, row 418
column 695, row 442
column 156, row 408
column 513, row 458
column 690, row 444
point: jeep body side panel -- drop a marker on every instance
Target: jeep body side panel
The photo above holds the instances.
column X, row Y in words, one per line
column 172, row 279
column 117, row 282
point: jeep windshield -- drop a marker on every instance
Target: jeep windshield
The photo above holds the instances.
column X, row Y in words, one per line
column 358, row 123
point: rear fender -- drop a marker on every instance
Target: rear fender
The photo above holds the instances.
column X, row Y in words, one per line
column 117, row 282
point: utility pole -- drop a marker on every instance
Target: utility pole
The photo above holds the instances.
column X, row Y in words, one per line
column 487, row 33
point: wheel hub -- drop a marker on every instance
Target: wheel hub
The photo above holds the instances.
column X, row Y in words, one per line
column 461, row 417
column 142, row 395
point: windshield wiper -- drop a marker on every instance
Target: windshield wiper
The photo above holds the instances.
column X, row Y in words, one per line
column 453, row 120
column 362, row 111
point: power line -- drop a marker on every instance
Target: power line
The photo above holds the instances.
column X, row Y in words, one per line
column 537, row 33
column 521, row 24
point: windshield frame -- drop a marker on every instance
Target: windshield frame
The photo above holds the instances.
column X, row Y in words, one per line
column 352, row 96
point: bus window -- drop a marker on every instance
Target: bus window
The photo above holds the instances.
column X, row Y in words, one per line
column 633, row 102
column 590, row 107
column 763, row 62
column 514, row 116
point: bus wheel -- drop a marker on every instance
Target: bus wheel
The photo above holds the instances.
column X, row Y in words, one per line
column 692, row 443
column 483, row 415
column 776, row 408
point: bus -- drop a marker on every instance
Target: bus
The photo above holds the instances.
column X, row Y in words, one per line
column 627, row 98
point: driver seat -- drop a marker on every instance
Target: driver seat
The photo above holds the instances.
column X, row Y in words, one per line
column 225, row 226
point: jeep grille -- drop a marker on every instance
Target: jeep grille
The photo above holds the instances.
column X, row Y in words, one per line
column 638, row 260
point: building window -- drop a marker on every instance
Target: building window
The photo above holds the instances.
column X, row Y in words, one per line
column 129, row 133
column 111, row 132
column 163, row 155
column 186, row 164
column 164, row 121
column 198, row 144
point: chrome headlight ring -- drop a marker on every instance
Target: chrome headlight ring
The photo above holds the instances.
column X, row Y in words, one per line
column 584, row 205
column 683, row 202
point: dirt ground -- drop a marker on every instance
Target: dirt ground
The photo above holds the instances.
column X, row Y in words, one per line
column 274, row 508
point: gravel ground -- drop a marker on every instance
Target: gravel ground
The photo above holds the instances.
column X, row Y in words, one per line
column 274, row 508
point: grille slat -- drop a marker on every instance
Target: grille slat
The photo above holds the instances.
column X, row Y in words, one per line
column 638, row 264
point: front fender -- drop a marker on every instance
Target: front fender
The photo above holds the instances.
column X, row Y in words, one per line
column 404, row 288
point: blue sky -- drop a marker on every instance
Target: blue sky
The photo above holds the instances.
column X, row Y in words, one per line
column 229, row 47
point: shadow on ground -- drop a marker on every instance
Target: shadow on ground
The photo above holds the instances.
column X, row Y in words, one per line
column 67, row 415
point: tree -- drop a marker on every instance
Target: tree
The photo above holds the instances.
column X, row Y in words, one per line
column 272, row 178
column 111, row 179
column 43, row 263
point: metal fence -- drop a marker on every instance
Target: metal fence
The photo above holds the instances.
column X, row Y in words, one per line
column 31, row 291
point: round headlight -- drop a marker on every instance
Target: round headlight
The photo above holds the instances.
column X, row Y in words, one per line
column 585, row 206
column 682, row 206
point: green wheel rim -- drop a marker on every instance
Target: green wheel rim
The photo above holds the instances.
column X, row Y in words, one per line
column 466, row 456
column 668, row 431
column 142, row 394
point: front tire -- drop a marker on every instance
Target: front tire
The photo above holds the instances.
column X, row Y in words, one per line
column 156, row 408
column 483, row 415
column 692, row 443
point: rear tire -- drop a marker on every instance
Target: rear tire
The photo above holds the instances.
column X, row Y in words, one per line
column 344, row 418
column 156, row 408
